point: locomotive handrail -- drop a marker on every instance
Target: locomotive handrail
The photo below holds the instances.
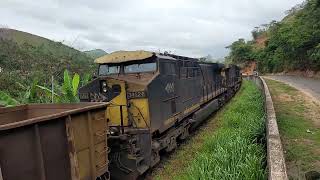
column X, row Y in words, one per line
column 141, row 116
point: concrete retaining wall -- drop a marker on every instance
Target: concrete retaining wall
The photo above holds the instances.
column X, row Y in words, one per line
column 275, row 158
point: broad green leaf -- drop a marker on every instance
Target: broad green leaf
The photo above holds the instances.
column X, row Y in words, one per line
column 85, row 79
column 27, row 95
column 47, row 90
column 67, row 82
column 75, row 84
column 33, row 91
column 7, row 100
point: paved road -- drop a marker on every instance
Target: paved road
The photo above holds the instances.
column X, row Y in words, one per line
column 310, row 86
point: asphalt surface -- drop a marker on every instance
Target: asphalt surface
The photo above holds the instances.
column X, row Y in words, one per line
column 310, row 86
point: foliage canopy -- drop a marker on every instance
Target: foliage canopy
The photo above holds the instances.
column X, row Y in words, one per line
column 291, row 44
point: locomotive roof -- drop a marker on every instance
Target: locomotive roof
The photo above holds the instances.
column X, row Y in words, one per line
column 124, row 56
column 127, row 56
column 215, row 65
column 230, row 66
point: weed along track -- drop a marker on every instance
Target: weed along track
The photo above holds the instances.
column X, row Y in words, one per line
column 231, row 145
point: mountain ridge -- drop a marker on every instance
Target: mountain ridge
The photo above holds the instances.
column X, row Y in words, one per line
column 95, row 53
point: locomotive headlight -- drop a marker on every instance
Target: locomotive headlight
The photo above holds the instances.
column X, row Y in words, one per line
column 104, row 86
column 104, row 89
column 113, row 131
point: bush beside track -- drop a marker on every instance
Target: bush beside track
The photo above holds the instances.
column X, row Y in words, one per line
column 236, row 148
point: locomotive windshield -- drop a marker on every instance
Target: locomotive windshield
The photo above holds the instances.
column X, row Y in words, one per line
column 105, row 69
column 136, row 68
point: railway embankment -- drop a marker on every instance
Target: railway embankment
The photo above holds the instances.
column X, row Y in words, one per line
column 230, row 145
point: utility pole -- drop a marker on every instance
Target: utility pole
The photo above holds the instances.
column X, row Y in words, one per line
column 52, row 88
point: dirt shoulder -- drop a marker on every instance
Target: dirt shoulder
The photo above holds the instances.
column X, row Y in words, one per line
column 307, row 73
column 298, row 117
column 309, row 86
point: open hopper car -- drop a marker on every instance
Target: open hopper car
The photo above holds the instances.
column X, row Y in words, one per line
column 54, row 142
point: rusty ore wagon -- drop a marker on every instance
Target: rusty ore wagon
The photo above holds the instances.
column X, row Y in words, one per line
column 54, row 142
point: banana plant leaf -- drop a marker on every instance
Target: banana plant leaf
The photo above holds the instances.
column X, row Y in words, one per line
column 7, row 100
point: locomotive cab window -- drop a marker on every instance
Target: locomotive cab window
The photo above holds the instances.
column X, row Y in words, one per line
column 106, row 69
column 109, row 69
column 137, row 68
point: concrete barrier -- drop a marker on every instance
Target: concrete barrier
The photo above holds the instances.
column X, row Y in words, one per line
column 275, row 159
column 276, row 162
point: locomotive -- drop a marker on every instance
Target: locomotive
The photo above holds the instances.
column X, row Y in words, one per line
column 155, row 100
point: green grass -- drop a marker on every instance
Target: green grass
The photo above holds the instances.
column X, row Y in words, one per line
column 302, row 149
column 233, row 149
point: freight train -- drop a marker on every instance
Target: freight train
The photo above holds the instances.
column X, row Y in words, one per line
column 156, row 99
column 144, row 103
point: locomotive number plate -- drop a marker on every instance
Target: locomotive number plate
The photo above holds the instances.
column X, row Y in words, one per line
column 137, row 94
column 84, row 95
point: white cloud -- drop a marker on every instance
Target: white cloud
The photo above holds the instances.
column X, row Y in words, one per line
column 187, row 27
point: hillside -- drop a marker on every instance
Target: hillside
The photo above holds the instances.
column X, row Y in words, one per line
column 292, row 44
column 21, row 38
column 96, row 53
column 25, row 58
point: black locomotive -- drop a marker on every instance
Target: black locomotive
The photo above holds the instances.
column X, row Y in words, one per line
column 155, row 100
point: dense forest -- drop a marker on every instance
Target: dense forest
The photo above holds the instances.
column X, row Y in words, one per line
column 291, row 44
column 28, row 63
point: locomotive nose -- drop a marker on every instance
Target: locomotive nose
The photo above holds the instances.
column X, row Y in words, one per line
column 100, row 90
column 95, row 91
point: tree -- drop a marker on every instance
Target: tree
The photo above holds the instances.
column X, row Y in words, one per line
column 241, row 51
column 291, row 44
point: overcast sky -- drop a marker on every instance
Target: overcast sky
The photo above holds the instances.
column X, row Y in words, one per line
column 187, row 27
